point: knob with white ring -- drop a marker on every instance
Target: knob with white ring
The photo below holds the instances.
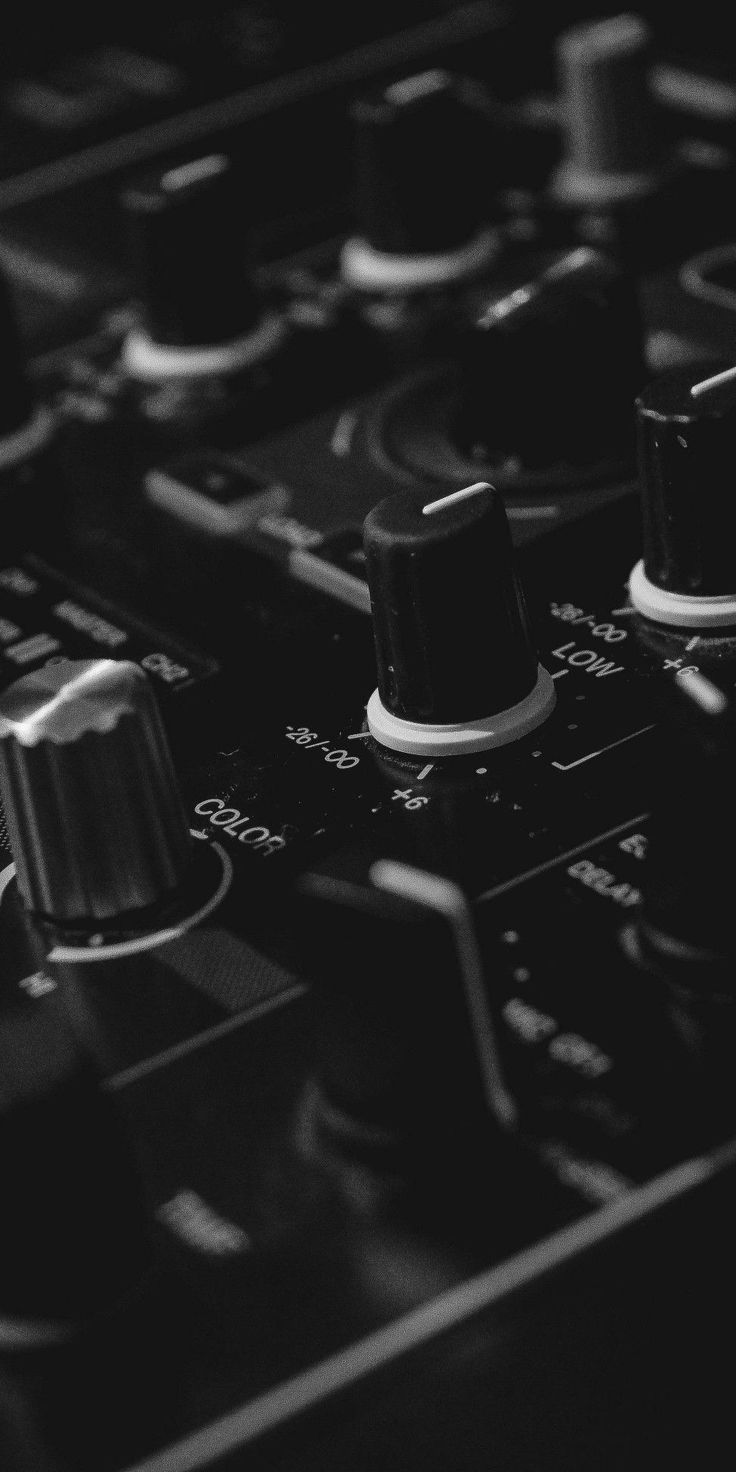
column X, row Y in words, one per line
column 457, row 666
column 686, row 429
column 201, row 312
column 25, row 426
column 421, row 221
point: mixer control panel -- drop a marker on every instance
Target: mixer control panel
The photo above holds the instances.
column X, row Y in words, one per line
column 367, row 681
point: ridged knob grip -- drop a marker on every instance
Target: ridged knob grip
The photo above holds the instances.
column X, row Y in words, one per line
column 96, row 821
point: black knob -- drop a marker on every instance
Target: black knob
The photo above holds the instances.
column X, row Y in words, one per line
column 24, row 428
column 550, row 369
column 407, row 1069
column 190, row 252
column 421, row 148
column 686, row 424
column 457, row 665
column 73, row 1237
column 613, row 148
column 96, row 821
column 685, row 928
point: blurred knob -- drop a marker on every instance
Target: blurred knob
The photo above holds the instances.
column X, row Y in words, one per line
column 551, row 366
column 201, row 309
column 613, row 149
column 421, row 148
column 686, row 928
column 24, row 428
column 686, row 422
column 73, row 1238
column 457, row 666
column 407, row 1070
column 95, row 818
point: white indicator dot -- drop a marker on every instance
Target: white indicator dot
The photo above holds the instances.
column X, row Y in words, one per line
column 481, row 771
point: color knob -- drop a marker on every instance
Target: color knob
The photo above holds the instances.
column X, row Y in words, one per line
column 96, row 821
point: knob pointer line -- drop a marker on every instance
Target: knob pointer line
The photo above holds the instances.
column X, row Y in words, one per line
column 715, row 381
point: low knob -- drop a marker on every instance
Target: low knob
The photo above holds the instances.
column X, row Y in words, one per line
column 550, row 369
column 421, row 145
column 686, row 426
column 190, row 254
column 95, row 818
column 457, row 665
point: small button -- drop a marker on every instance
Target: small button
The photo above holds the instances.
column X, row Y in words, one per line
column 214, row 494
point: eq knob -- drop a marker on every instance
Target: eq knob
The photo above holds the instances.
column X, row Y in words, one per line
column 96, row 822
column 457, row 666
column 686, row 426
column 421, row 146
column 202, row 313
column 550, row 366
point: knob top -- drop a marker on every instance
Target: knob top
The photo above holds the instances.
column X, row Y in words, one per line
column 452, row 634
column 686, row 428
column 96, row 821
column 186, row 224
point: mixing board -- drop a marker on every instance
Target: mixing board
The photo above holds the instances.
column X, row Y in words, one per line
column 367, row 665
